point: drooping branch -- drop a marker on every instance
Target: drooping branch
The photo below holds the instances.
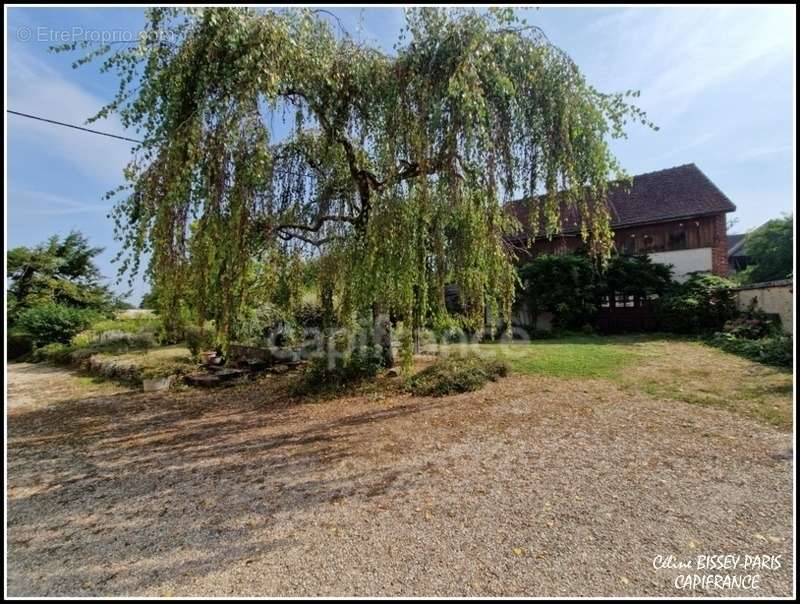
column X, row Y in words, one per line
column 394, row 168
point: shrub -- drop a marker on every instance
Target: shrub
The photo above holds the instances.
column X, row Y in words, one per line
column 54, row 322
column 562, row 284
column 114, row 340
column 702, row 304
column 57, row 353
column 310, row 315
column 362, row 363
column 199, row 339
column 570, row 287
column 18, row 345
column 774, row 350
column 753, row 324
column 266, row 322
column 453, row 374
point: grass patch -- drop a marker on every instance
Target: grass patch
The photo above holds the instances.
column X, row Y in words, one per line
column 454, row 374
column 135, row 365
column 578, row 356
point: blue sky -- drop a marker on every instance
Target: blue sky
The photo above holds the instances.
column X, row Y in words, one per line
column 717, row 81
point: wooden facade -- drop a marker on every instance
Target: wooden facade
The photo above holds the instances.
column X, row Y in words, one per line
column 692, row 233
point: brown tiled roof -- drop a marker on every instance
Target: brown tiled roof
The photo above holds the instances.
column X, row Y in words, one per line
column 671, row 194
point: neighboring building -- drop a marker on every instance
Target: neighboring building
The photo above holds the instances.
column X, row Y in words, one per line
column 737, row 259
column 676, row 216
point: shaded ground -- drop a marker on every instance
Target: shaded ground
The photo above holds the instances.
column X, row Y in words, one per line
column 535, row 485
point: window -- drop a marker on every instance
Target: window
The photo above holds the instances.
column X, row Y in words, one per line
column 677, row 240
column 624, row 301
column 629, row 246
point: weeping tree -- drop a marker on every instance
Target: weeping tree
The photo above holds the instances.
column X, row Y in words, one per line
column 393, row 171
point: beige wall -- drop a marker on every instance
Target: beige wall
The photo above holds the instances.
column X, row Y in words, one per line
column 772, row 297
column 685, row 262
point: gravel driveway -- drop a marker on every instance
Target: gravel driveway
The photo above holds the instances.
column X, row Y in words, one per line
column 531, row 486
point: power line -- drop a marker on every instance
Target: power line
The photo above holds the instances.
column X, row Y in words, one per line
column 44, row 119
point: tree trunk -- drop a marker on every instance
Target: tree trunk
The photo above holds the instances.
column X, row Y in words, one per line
column 383, row 335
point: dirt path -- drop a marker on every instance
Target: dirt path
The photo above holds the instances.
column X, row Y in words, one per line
column 39, row 385
column 528, row 487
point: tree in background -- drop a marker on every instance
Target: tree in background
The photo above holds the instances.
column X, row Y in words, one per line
column 57, row 272
column 393, row 172
column 149, row 300
column 55, row 290
column 770, row 250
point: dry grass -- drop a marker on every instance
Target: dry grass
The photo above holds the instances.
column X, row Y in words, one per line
column 701, row 375
column 663, row 367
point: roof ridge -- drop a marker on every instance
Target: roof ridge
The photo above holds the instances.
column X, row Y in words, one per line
column 689, row 165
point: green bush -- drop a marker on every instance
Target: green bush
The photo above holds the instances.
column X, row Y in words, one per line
column 453, row 374
column 562, row 284
column 131, row 324
column 18, row 345
column 703, row 304
column 121, row 333
column 57, row 353
column 309, row 315
column 266, row 321
column 753, row 324
column 362, row 363
column 773, row 350
column 54, row 322
column 199, row 339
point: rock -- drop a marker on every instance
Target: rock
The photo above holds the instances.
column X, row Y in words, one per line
column 255, row 364
column 393, row 372
column 204, row 380
column 279, row 368
column 157, row 384
column 229, row 374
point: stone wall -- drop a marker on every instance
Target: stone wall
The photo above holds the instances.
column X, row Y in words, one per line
column 775, row 297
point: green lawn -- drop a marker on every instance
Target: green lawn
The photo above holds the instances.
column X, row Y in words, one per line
column 572, row 356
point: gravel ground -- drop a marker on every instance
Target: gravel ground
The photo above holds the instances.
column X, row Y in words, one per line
column 531, row 486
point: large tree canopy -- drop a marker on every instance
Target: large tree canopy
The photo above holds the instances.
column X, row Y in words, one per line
column 59, row 271
column 395, row 168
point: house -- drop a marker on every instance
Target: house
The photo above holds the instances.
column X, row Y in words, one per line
column 676, row 216
column 737, row 260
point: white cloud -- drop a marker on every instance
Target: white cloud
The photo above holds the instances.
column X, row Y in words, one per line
column 50, row 204
column 675, row 54
column 36, row 88
column 759, row 152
